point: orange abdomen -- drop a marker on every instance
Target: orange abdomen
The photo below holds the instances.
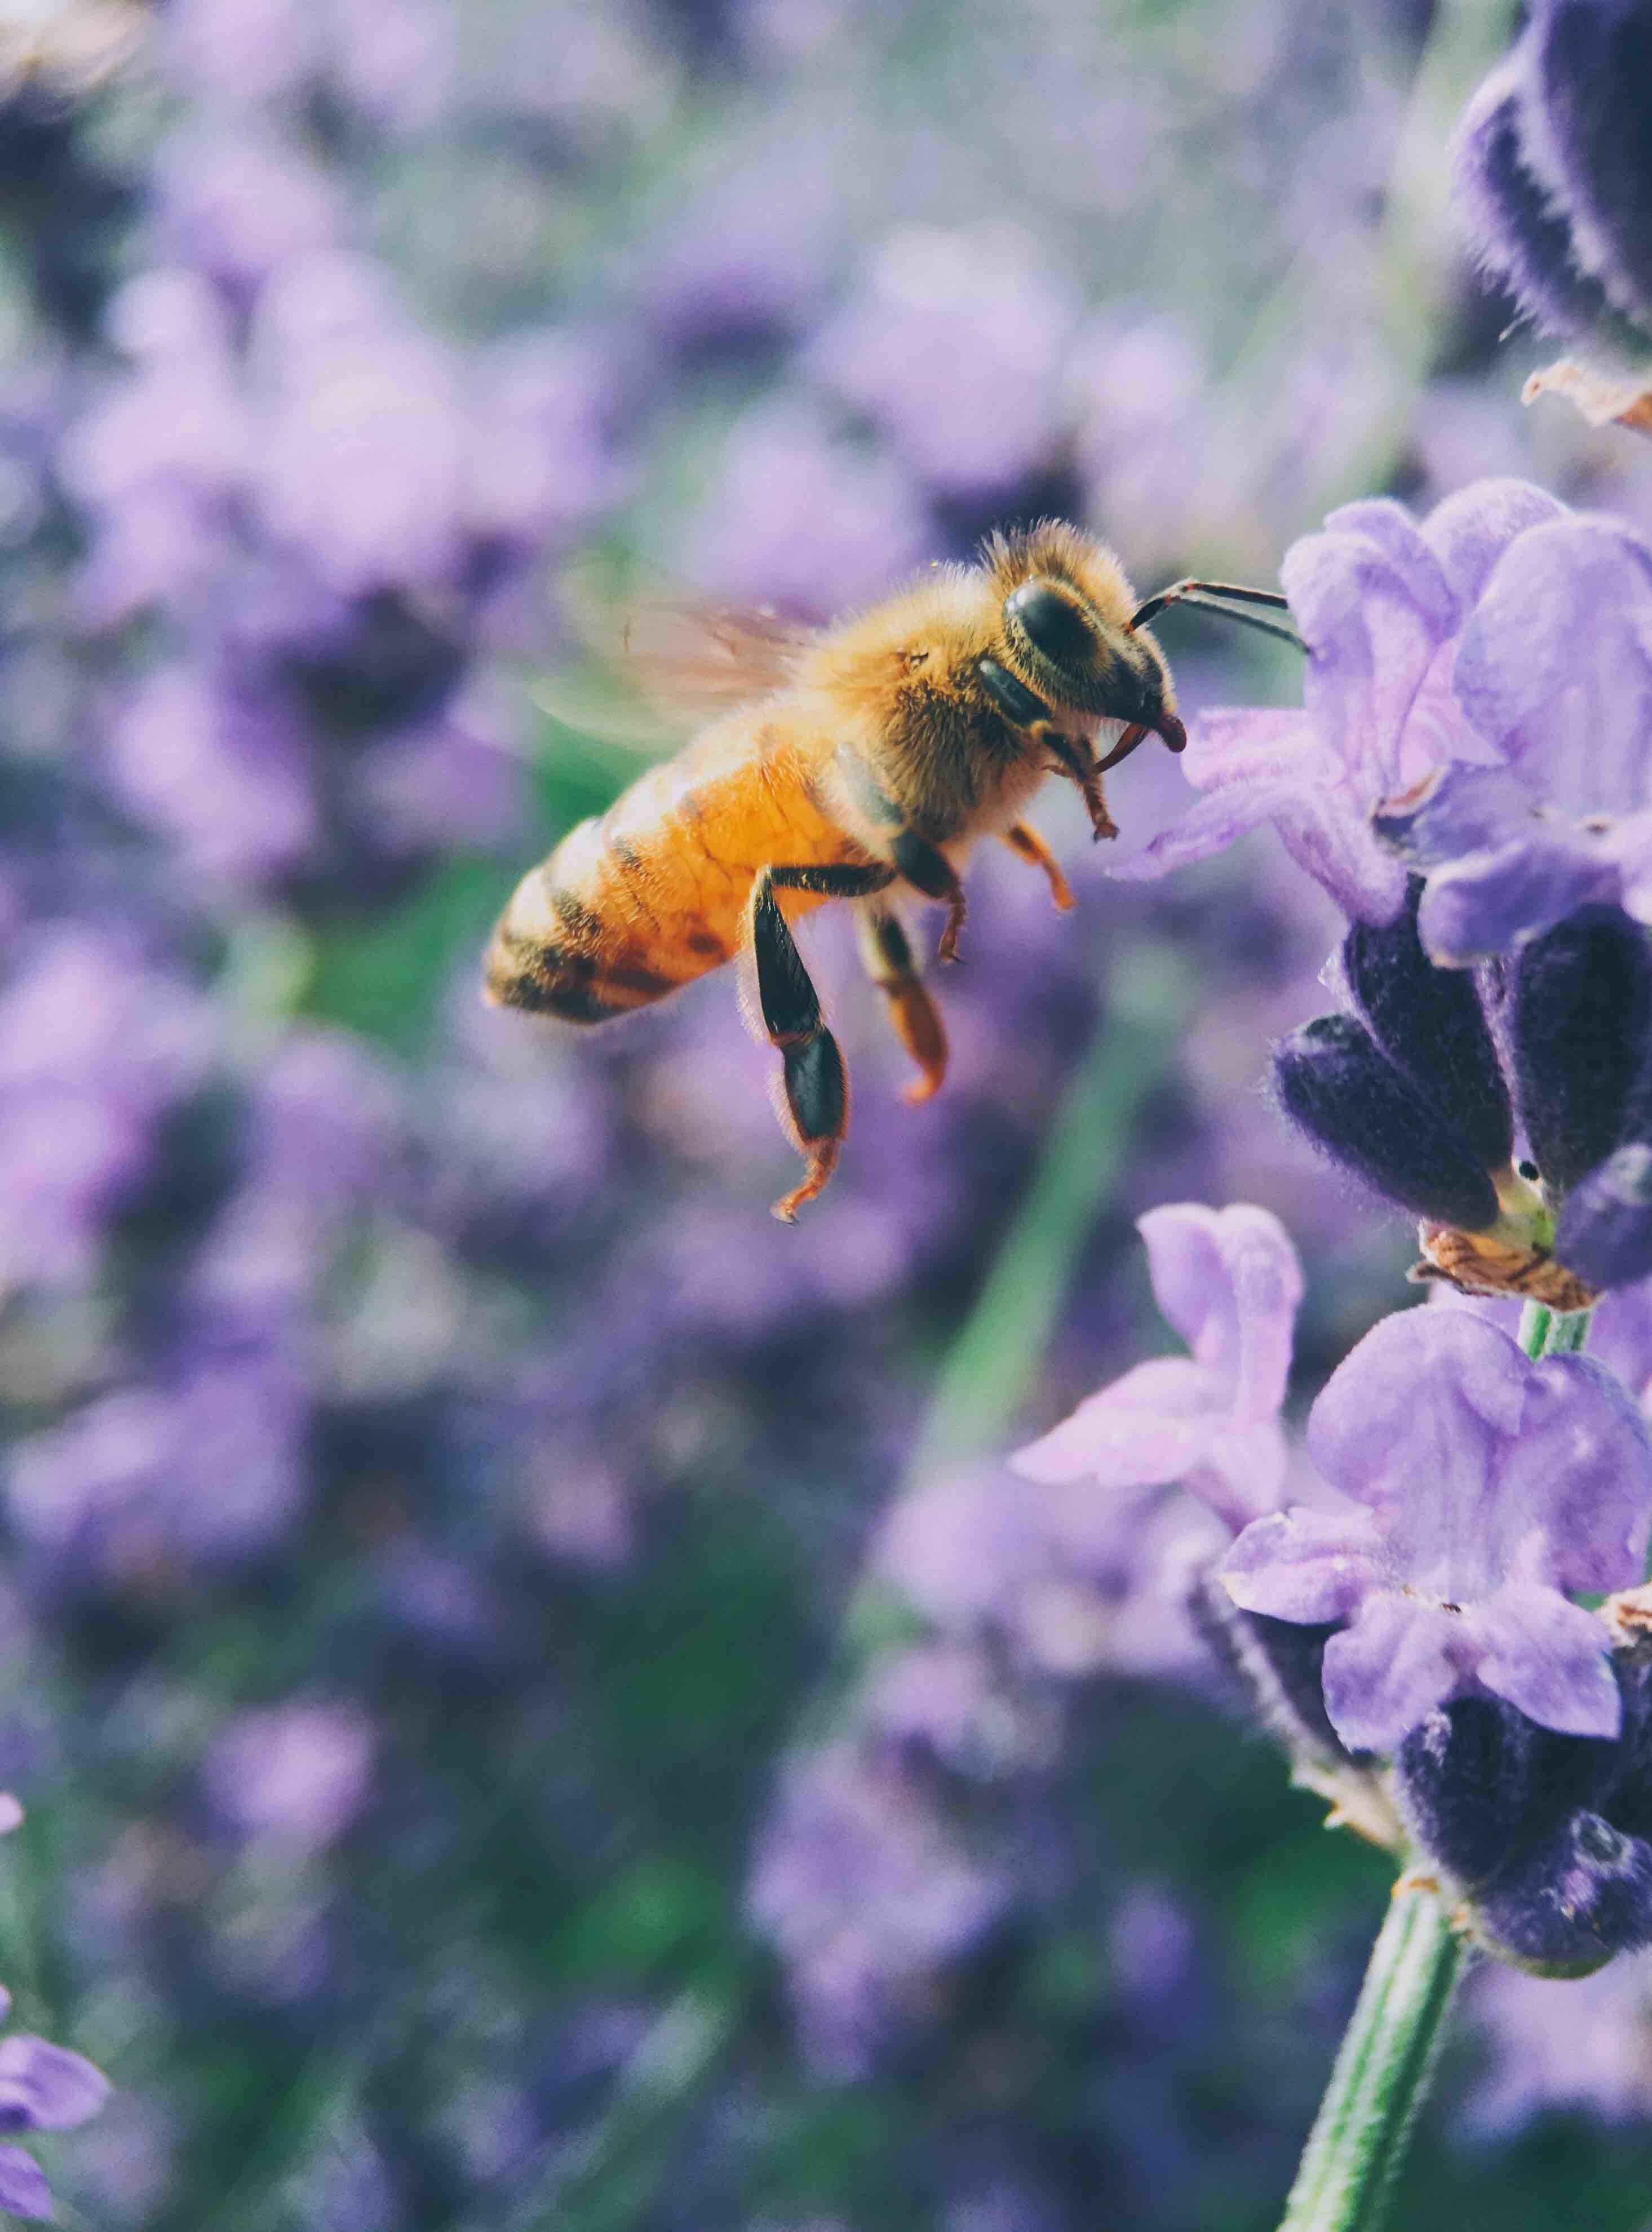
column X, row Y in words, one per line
column 654, row 892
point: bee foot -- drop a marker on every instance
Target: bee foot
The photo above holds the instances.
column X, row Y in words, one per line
column 823, row 1157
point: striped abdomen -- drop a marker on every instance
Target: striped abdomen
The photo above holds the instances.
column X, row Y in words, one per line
column 654, row 893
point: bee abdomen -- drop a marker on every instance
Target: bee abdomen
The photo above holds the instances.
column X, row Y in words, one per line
column 569, row 943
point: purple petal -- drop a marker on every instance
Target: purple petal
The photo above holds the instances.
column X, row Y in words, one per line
column 1243, row 1472
column 1229, row 1281
column 1458, row 811
column 1548, row 1657
column 1373, row 611
column 1555, row 663
column 1383, row 1674
column 1604, row 1229
column 1574, row 1489
column 45, row 2088
column 1328, row 834
column 1411, row 1420
column 1209, row 827
column 1628, row 844
column 1469, row 532
column 23, row 2190
column 1492, row 901
column 1305, row 1566
column 1148, row 1427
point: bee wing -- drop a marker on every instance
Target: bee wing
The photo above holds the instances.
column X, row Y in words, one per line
column 659, row 667
column 692, row 660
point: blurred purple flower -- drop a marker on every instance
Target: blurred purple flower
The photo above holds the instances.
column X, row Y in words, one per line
column 247, row 51
column 1586, row 2043
column 94, row 1048
column 866, row 1896
column 45, row 2088
column 954, row 348
column 388, row 58
column 156, row 461
column 23, row 2190
column 452, row 783
column 361, row 463
column 1490, row 1485
column 237, row 204
column 292, row 1775
column 783, row 463
column 545, row 456
column 1229, row 1281
column 204, row 1467
column 219, row 761
column 1482, row 686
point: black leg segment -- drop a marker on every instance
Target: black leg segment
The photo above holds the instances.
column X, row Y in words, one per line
column 927, row 868
column 814, row 1101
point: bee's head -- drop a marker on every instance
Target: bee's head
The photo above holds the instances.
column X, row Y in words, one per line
column 1066, row 636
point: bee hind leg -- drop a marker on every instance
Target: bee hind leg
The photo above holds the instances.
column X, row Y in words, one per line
column 1025, row 840
column 917, row 1023
column 813, row 1099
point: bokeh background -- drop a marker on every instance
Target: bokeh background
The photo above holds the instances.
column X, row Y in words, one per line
column 536, row 1700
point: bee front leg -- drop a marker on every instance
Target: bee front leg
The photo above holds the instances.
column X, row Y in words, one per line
column 813, row 1099
column 927, row 868
column 1026, row 840
column 1078, row 761
column 924, row 864
column 917, row 1020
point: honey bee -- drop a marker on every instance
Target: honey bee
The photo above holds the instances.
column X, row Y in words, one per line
column 862, row 763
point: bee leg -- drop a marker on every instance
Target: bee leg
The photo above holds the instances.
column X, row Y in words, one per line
column 927, row 868
column 917, row 1019
column 924, row 866
column 814, row 1100
column 1078, row 761
column 1031, row 847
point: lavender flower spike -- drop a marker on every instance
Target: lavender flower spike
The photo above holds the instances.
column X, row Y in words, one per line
column 1478, row 707
column 1229, row 1281
column 1491, row 1485
column 1380, row 601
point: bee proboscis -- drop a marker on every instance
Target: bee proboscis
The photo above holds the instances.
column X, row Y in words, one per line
column 862, row 763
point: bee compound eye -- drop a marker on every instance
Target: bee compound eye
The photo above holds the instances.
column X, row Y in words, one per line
column 1054, row 623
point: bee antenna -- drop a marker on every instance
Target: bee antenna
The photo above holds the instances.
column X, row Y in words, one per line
column 1227, row 598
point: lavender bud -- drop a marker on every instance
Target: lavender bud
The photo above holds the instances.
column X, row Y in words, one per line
column 1604, row 1232
column 1430, row 1023
column 1569, row 1907
column 1278, row 1665
column 1335, row 1084
column 1518, row 235
column 1631, row 1801
column 1582, row 1027
column 1587, row 127
column 1479, row 1784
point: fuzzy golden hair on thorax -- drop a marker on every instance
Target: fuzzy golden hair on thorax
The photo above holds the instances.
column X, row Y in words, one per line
column 1063, row 553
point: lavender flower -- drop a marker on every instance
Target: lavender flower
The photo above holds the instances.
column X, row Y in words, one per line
column 1228, row 1280
column 1555, row 175
column 1481, row 1488
column 1476, row 707
column 1411, row 1096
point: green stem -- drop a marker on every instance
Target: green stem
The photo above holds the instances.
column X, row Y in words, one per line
column 1364, row 2127
column 1544, row 1332
column 1385, row 2061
